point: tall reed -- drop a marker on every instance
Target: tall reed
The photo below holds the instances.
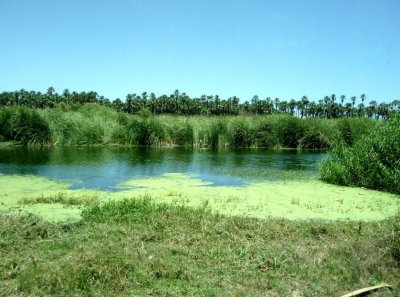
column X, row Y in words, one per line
column 372, row 162
column 24, row 125
column 93, row 124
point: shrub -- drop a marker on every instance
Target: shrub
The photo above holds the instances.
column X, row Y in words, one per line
column 144, row 130
column 239, row 133
column 345, row 132
column 182, row 134
column 372, row 162
column 314, row 140
column 5, row 119
column 264, row 134
column 217, row 129
column 288, row 131
column 25, row 126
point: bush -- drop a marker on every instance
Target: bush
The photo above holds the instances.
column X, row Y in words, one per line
column 5, row 120
column 182, row 134
column 24, row 125
column 144, row 130
column 314, row 140
column 288, row 131
column 217, row 129
column 264, row 134
column 372, row 162
column 239, row 133
column 345, row 132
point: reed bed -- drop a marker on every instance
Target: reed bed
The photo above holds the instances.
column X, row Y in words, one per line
column 93, row 124
column 373, row 161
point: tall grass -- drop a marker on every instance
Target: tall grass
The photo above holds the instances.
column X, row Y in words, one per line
column 372, row 162
column 81, row 125
column 143, row 130
column 92, row 124
column 239, row 133
column 24, row 125
column 288, row 131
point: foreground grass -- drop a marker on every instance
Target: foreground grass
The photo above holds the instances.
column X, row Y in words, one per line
column 136, row 248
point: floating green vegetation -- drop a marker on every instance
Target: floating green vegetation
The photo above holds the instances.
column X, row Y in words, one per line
column 47, row 198
column 291, row 199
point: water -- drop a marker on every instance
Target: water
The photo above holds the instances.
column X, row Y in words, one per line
column 104, row 168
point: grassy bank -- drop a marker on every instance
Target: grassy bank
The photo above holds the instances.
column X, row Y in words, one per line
column 92, row 124
column 134, row 247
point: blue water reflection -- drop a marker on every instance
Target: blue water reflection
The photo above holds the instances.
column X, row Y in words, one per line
column 104, row 168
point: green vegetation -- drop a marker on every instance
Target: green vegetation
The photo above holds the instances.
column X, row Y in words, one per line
column 93, row 124
column 181, row 104
column 135, row 247
column 62, row 198
column 288, row 198
column 24, row 125
column 178, row 235
column 372, row 162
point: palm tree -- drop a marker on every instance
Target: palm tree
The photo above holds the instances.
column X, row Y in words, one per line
column 363, row 97
column 254, row 104
column 129, row 104
column 276, row 103
column 304, row 103
column 349, row 109
column 373, row 106
column 342, row 99
column 353, row 100
column 361, row 110
column 395, row 105
column 383, row 110
column 292, row 106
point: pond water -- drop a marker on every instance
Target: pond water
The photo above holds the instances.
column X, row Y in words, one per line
column 249, row 182
column 104, row 168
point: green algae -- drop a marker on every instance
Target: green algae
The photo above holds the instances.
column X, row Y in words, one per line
column 301, row 199
column 15, row 189
column 291, row 199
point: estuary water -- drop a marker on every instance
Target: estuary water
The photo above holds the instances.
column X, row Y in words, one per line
column 103, row 168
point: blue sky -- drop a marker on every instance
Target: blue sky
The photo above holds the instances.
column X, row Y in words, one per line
column 283, row 48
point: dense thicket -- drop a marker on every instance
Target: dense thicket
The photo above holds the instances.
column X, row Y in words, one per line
column 23, row 125
column 92, row 123
column 181, row 104
column 372, row 162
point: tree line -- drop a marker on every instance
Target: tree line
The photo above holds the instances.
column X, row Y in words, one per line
column 179, row 103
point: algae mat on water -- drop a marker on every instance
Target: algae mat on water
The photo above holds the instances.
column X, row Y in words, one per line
column 16, row 188
column 301, row 199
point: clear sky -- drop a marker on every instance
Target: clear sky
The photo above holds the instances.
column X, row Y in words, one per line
column 279, row 48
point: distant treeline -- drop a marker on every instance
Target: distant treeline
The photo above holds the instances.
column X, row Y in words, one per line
column 181, row 104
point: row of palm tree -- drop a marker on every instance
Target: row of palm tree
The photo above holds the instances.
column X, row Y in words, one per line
column 181, row 104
